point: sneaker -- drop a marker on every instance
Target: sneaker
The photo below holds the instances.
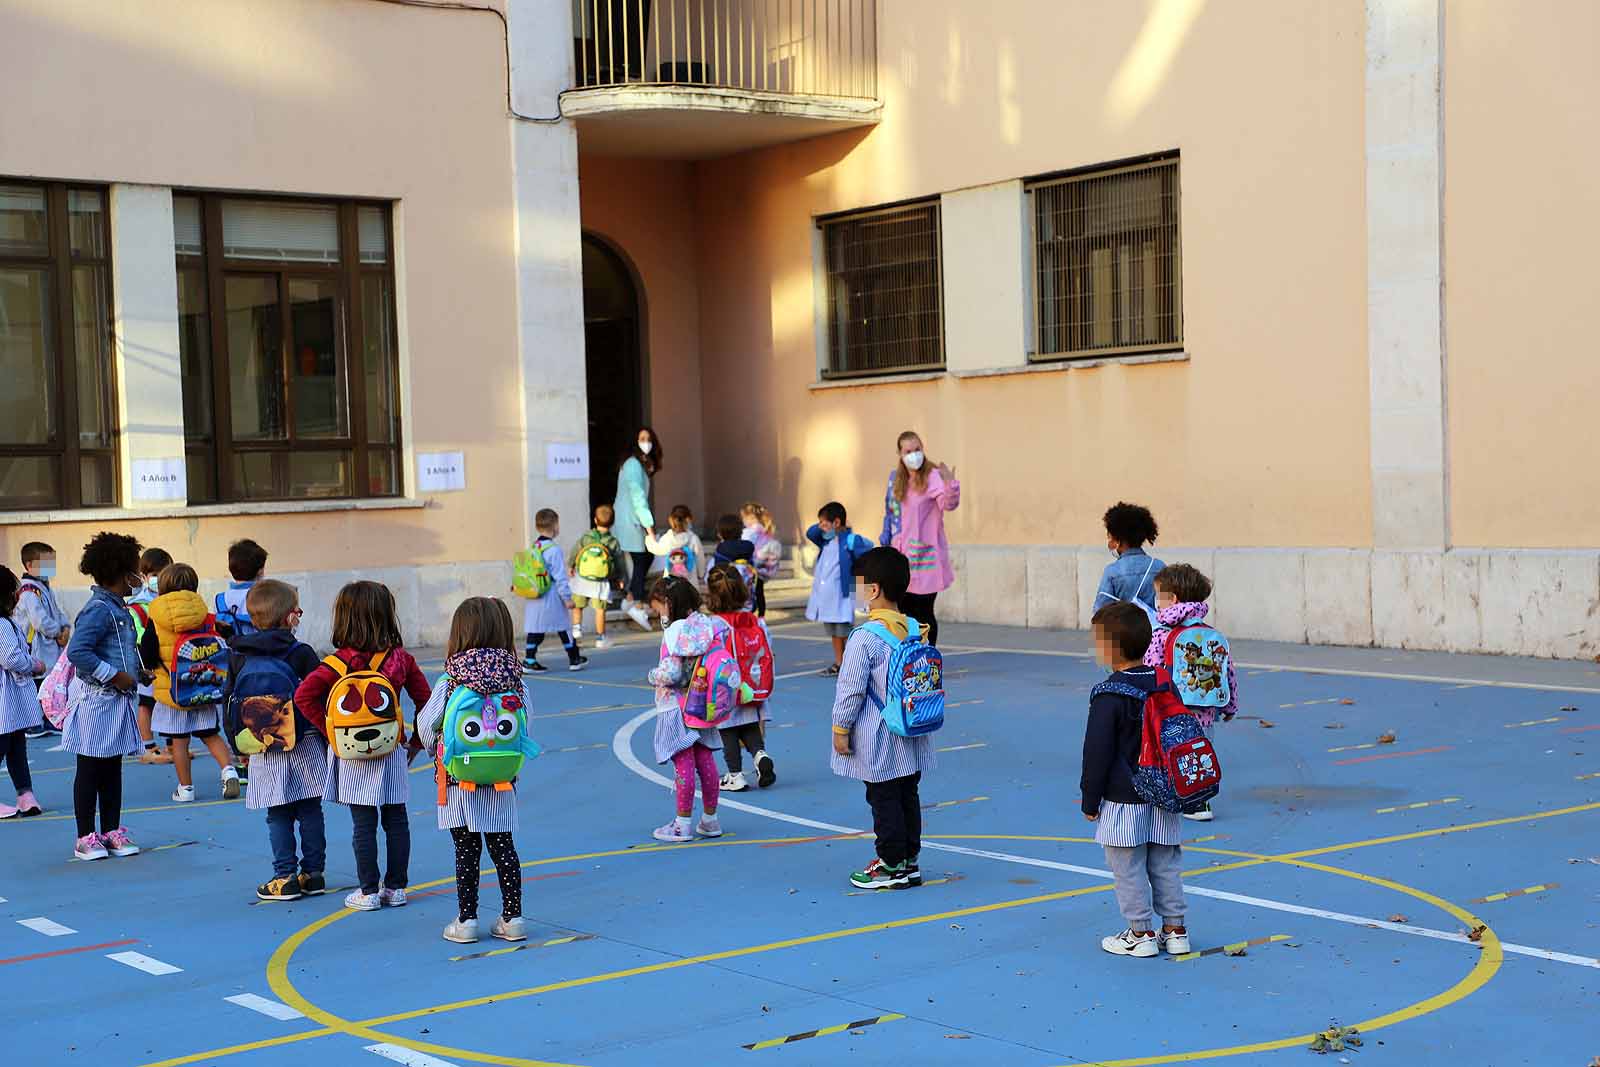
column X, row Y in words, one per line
column 577, row 633
column 879, row 875
column 313, row 885
column 710, row 826
column 242, row 772
column 601, row 644
column 89, row 847
column 281, row 889
column 1129, row 943
column 119, row 842
column 392, row 898
column 672, row 833
column 913, row 872
column 638, row 615
column 509, row 929
column 1175, row 942
column 765, row 775
column 184, row 794
column 831, row 671
column 153, row 755
column 8, row 812
column 34, row 733
column 1203, row 815
column 462, row 931
column 732, row 782
column 533, row 666
column 359, row 901
column 230, row 784
column 28, row 804
column 578, row 664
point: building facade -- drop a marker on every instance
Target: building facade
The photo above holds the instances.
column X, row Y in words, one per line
column 370, row 281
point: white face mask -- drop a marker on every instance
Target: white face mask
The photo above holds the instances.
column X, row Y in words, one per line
column 913, row 460
column 646, row 447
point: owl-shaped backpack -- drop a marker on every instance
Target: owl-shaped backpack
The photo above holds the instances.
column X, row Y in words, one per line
column 483, row 739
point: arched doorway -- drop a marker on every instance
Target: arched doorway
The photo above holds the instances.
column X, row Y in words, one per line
column 613, row 331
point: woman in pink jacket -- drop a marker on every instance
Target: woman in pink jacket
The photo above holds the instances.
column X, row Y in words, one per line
column 913, row 522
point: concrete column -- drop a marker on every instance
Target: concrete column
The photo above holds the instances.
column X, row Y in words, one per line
column 985, row 277
column 1405, row 322
column 549, row 256
column 144, row 287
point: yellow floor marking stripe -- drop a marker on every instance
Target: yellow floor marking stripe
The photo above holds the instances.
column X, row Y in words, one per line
column 952, row 803
column 1495, row 898
column 1237, row 946
column 1418, row 804
column 826, row 1031
column 1530, row 722
column 128, row 811
column 590, row 711
column 1586, row 777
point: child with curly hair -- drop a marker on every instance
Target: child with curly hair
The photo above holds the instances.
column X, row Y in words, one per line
column 1129, row 576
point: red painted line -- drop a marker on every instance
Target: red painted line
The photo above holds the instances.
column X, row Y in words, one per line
column 809, row 840
column 489, row 878
column 1391, row 755
column 1580, row 729
column 69, row 951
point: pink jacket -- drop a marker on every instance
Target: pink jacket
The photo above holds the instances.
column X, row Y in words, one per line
column 1188, row 614
column 921, row 534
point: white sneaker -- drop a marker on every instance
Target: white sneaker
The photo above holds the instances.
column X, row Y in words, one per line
column 638, row 615
column 359, row 901
column 1203, row 815
column 184, row 794
column 1176, row 943
column 733, row 782
column 672, row 833
column 392, row 898
column 509, row 929
column 710, row 826
column 601, row 643
column 1128, row 943
column 230, row 784
column 577, row 633
column 462, row 931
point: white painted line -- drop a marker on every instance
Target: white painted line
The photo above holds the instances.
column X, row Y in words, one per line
column 2, row 900
column 407, row 1056
column 622, row 747
column 266, row 1007
column 47, row 927
column 963, row 748
column 140, row 962
column 58, row 748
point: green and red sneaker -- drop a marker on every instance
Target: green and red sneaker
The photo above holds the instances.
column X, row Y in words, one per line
column 879, row 875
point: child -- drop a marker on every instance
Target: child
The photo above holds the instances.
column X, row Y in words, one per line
column 366, row 631
column 596, row 569
column 832, row 601
column 551, row 611
column 247, row 562
column 287, row 784
column 99, row 728
column 481, row 654
column 760, row 531
column 1142, row 842
column 1129, row 527
column 151, row 563
column 39, row 616
column 679, row 549
column 734, row 549
column 1181, row 592
column 690, row 633
column 728, row 599
column 19, row 700
column 863, row 747
column 180, row 610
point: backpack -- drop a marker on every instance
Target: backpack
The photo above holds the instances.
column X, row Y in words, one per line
column 747, row 574
column 236, row 619
column 530, row 575
column 753, row 653
column 141, row 622
column 53, row 691
column 594, row 562
column 199, row 669
column 715, row 687
column 769, row 555
column 483, row 740
column 914, row 704
column 1198, row 658
column 680, row 562
column 260, row 706
column 363, row 711
column 1178, row 767
column 26, row 586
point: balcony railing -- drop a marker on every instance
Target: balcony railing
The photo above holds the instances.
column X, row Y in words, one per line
column 826, row 48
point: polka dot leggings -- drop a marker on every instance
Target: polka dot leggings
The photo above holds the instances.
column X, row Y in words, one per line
column 469, row 854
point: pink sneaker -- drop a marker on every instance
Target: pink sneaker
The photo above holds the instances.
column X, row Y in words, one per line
column 89, row 847
column 119, row 843
column 28, row 805
column 7, row 811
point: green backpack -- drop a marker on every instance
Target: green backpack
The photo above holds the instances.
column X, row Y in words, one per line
column 530, row 577
column 594, row 562
column 483, row 740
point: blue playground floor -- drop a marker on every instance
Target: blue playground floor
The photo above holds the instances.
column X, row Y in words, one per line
column 1352, row 869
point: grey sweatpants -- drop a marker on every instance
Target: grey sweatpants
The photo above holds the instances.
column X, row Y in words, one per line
column 1145, row 871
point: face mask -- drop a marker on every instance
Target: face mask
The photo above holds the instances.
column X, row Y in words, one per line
column 829, row 535
column 151, row 584
column 646, row 447
column 913, row 460
column 47, row 571
column 135, row 584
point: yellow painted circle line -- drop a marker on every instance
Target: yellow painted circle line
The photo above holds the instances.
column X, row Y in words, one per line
column 1487, row 965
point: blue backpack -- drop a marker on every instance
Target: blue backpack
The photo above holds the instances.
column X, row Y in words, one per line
column 260, row 715
column 914, row 704
column 236, row 619
column 1198, row 658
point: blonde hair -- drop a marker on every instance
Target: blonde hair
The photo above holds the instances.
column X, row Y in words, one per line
column 176, row 577
column 270, row 602
column 905, row 478
column 680, row 518
column 760, row 513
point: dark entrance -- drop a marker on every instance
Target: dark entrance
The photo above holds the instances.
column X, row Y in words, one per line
column 612, row 328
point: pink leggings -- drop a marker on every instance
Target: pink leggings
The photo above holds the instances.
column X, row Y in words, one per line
column 695, row 758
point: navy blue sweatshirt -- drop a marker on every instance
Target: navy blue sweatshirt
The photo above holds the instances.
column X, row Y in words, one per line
column 1113, row 737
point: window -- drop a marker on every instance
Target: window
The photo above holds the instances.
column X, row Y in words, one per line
column 885, row 306
column 287, row 347
column 1107, row 268
column 57, row 438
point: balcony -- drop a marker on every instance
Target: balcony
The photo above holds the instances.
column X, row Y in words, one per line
column 701, row 79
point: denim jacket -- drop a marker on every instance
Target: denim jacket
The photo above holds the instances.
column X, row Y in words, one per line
column 1131, row 576
column 102, row 640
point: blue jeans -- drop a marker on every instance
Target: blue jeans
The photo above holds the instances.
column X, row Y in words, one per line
column 313, row 839
column 397, row 839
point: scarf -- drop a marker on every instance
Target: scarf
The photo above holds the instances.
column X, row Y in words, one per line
column 894, row 620
column 485, row 670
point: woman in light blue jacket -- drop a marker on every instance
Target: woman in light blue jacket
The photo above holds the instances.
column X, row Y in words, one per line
column 633, row 518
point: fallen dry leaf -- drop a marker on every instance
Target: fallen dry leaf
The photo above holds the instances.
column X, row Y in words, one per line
column 1476, row 933
column 1264, row 724
column 1398, row 919
column 1387, row 739
column 1347, row 700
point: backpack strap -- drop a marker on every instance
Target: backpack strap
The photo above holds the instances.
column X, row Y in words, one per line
column 339, row 667
column 376, row 661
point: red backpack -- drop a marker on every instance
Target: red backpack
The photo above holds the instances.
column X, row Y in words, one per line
column 754, row 652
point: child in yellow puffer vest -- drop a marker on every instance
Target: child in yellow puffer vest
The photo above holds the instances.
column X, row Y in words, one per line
column 180, row 610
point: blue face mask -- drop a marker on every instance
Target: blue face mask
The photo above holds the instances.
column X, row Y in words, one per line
column 47, row 571
column 829, row 535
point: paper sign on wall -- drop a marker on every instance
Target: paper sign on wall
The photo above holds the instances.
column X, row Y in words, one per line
column 441, row 472
column 566, row 461
column 160, row 479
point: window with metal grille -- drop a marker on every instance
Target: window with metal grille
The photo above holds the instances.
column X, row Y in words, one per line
column 885, row 307
column 1107, row 265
